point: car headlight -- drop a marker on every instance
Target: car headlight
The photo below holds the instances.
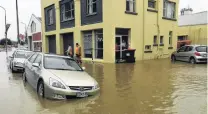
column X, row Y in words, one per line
column 56, row 83
column 96, row 86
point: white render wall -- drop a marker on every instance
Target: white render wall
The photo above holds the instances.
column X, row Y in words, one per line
column 38, row 25
column 200, row 18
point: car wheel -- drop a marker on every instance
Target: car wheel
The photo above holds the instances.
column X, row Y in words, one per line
column 173, row 58
column 41, row 89
column 12, row 69
column 24, row 78
column 192, row 61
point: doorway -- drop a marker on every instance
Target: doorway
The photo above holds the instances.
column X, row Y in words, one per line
column 68, row 39
column 121, row 45
column 52, row 44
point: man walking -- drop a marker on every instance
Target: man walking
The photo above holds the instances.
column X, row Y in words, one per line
column 78, row 53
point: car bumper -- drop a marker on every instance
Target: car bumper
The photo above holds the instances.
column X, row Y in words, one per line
column 61, row 94
column 18, row 68
column 201, row 59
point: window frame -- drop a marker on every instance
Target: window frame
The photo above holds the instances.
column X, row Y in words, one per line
column 152, row 1
column 29, row 60
column 170, row 38
column 90, row 3
column 70, row 10
column 165, row 10
column 132, row 3
column 50, row 16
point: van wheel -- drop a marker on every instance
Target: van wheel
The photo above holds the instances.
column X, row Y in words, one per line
column 41, row 89
column 192, row 60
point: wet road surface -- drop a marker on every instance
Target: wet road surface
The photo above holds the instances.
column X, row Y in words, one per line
column 147, row 87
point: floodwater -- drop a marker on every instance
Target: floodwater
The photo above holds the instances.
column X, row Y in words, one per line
column 146, row 87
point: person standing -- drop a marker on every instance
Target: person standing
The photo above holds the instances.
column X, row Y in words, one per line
column 78, row 53
column 69, row 51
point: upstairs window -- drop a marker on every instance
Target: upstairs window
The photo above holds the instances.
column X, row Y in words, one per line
column 169, row 9
column 91, row 7
column 67, row 11
column 33, row 27
column 50, row 17
column 130, row 6
column 151, row 3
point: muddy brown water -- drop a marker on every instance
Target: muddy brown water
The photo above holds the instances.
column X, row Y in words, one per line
column 146, row 87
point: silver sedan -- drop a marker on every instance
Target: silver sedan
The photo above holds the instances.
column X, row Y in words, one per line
column 58, row 77
column 191, row 53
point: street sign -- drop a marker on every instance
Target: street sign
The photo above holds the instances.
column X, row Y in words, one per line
column 7, row 27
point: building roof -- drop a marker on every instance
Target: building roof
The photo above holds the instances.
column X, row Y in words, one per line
column 200, row 18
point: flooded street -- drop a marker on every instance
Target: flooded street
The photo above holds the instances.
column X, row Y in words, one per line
column 146, row 87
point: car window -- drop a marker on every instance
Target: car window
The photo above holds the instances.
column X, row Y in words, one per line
column 32, row 58
column 20, row 54
column 38, row 59
column 189, row 48
column 182, row 49
column 201, row 48
column 29, row 54
column 59, row 63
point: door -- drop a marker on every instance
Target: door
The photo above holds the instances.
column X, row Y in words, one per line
column 118, row 47
column 68, row 40
column 52, row 44
column 36, row 70
column 188, row 53
column 180, row 55
column 29, row 70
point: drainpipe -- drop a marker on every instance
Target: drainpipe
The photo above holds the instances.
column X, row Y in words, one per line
column 143, row 28
column 158, row 26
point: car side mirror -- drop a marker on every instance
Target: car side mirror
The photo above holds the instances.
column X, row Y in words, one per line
column 35, row 65
column 83, row 68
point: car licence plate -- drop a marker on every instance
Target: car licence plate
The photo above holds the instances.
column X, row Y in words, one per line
column 82, row 94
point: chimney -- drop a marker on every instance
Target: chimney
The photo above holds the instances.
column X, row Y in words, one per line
column 186, row 11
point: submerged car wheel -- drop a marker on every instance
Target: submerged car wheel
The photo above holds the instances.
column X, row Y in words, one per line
column 173, row 58
column 41, row 89
column 24, row 78
column 192, row 61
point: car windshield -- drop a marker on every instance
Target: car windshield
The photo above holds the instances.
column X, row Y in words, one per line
column 20, row 54
column 60, row 63
column 201, row 49
column 28, row 54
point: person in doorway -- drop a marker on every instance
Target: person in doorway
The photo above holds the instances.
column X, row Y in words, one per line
column 69, row 51
column 78, row 53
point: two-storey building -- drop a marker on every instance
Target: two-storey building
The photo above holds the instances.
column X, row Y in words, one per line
column 149, row 26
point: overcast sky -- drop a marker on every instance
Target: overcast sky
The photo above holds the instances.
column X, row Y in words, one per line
column 29, row 7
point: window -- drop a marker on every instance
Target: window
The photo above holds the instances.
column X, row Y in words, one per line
column 182, row 49
column 147, row 47
column 50, row 16
column 32, row 58
column 189, row 48
column 91, row 7
column 67, row 11
column 130, row 5
column 99, row 44
column 170, row 38
column 33, row 27
column 161, row 39
column 201, row 49
column 155, row 40
column 88, row 45
column 169, row 9
column 151, row 3
column 38, row 59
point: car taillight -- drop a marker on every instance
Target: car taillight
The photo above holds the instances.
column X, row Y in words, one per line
column 197, row 54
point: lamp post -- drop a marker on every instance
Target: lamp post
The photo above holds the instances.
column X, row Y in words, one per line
column 5, row 27
column 25, row 32
column 17, row 15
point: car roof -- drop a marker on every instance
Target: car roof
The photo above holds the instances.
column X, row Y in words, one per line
column 52, row 55
column 195, row 45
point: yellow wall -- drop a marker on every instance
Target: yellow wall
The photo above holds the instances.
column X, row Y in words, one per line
column 143, row 27
column 198, row 34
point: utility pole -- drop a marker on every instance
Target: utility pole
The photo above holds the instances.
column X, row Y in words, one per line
column 5, row 27
column 17, row 14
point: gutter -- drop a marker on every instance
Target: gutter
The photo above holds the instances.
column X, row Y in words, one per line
column 143, row 29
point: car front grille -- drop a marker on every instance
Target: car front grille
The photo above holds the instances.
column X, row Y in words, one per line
column 80, row 88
